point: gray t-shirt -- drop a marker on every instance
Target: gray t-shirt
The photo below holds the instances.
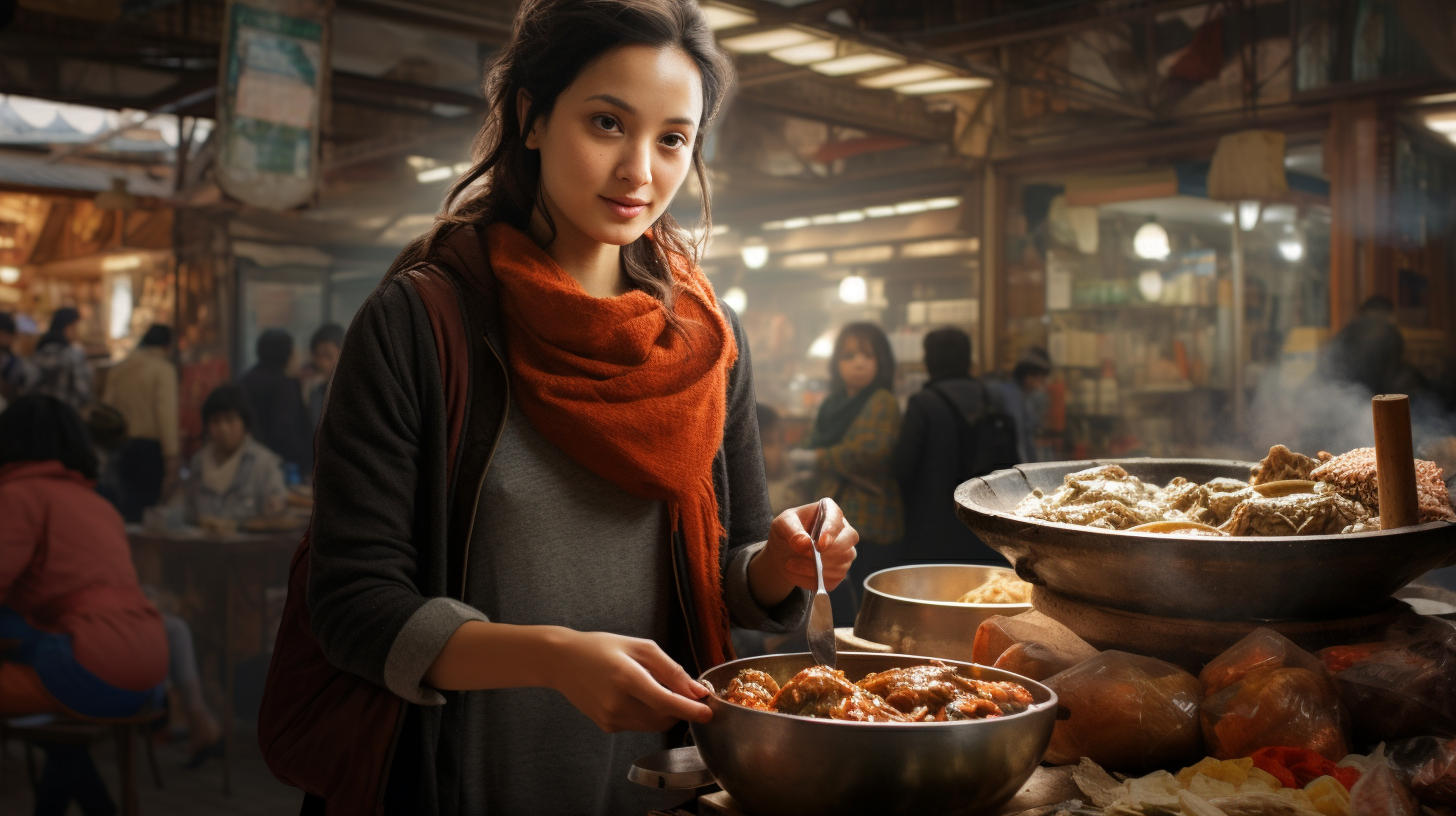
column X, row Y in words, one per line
column 562, row 546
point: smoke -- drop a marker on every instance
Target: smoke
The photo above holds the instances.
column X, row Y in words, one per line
column 1323, row 413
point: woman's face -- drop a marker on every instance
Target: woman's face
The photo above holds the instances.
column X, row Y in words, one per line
column 226, row 431
column 618, row 143
column 857, row 365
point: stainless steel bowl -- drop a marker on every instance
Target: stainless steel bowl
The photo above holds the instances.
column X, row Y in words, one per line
column 779, row 765
column 1228, row 578
column 913, row 609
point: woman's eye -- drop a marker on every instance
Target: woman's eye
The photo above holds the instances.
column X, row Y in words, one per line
column 606, row 122
column 674, row 140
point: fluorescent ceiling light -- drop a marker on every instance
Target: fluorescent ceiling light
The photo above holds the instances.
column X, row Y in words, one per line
column 945, row 203
column 807, row 53
column 762, row 42
column 864, row 255
column 947, row 85
column 908, row 207
column 721, row 17
column 435, row 174
column 1442, row 122
column 940, row 248
column 857, row 64
column 910, row 73
column 805, row 260
column 879, row 211
column 120, row 263
column 796, row 223
column 849, row 216
column 721, row 229
column 822, row 220
column 461, row 168
column 1292, row 249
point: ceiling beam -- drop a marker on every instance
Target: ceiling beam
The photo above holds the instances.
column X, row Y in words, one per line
column 844, row 104
column 493, row 30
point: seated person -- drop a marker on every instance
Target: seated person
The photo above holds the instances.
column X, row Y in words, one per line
column 233, row 476
column 77, row 636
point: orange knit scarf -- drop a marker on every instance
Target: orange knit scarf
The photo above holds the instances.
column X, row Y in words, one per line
column 640, row 405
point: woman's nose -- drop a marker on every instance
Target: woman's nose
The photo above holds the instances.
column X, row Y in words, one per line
column 635, row 166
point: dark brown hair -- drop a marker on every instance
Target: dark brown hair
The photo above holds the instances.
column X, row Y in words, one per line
column 551, row 43
column 873, row 338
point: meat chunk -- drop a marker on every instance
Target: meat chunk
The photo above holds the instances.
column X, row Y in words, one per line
column 940, row 693
column 820, row 691
column 1296, row 514
column 752, row 689
column 1353, row 475
column 1281, row 464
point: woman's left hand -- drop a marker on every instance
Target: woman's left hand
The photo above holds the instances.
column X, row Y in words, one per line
column 787, row 561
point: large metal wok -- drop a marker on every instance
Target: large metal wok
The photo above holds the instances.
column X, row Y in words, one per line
column 1209, row 578
column 778, row 765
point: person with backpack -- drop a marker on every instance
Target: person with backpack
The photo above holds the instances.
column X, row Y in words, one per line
column 539, row 494
column 955, row 428
column 1025, row 399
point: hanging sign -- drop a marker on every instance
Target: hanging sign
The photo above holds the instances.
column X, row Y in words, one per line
column 274, row 73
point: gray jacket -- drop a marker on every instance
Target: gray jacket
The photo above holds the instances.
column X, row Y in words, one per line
column 259, row 478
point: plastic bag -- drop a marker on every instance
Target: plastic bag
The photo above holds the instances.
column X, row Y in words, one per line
column 1402, row 687
column 1265, row 691
column 1030, row 644
column 1126, row 713
column 1435, row 780
column 1380, row 793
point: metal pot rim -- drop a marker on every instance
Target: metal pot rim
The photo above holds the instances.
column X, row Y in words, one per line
column 816, row 722
column 947, row 604
column 962, row 497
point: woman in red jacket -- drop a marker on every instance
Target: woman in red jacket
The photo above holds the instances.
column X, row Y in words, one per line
column 77, row 636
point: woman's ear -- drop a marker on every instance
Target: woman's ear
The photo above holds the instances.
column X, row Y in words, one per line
column 523, row 106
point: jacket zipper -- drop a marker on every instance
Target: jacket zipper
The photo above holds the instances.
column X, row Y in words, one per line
column 475, row 505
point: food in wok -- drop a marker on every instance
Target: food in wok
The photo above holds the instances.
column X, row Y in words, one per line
column 930, row 693
column 1287, row 494
column 1000, row 588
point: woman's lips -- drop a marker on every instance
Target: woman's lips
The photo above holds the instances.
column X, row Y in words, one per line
column 624, row 209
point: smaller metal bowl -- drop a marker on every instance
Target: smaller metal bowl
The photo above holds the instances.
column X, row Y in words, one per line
column 913, row 610
column 775, row 764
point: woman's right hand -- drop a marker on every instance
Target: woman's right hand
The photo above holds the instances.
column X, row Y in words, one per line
column 625, row 684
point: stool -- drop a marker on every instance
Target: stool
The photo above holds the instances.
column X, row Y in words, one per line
column 69, row 731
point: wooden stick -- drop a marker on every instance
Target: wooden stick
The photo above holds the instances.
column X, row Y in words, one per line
column 1395, row 461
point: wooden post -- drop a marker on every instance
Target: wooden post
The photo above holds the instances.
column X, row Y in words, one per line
column 1395, row 461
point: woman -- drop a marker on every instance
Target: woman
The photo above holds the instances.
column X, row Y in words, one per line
column 77, row 636
column 594, row 550
column 233, row 477
column 853, row 442
column 61, row 363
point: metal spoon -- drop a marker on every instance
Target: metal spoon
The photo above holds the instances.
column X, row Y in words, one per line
column 821, row 615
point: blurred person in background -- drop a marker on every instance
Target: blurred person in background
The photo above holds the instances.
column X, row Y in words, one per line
column 233, row 476
column 851, row 446
column 77, row 635
column 61, row 362
column 931, row 459
column 1024, row 398
column 279, row 418
column 323, row 350
column 17, row 375
column 775, row 461
column 143, row 387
